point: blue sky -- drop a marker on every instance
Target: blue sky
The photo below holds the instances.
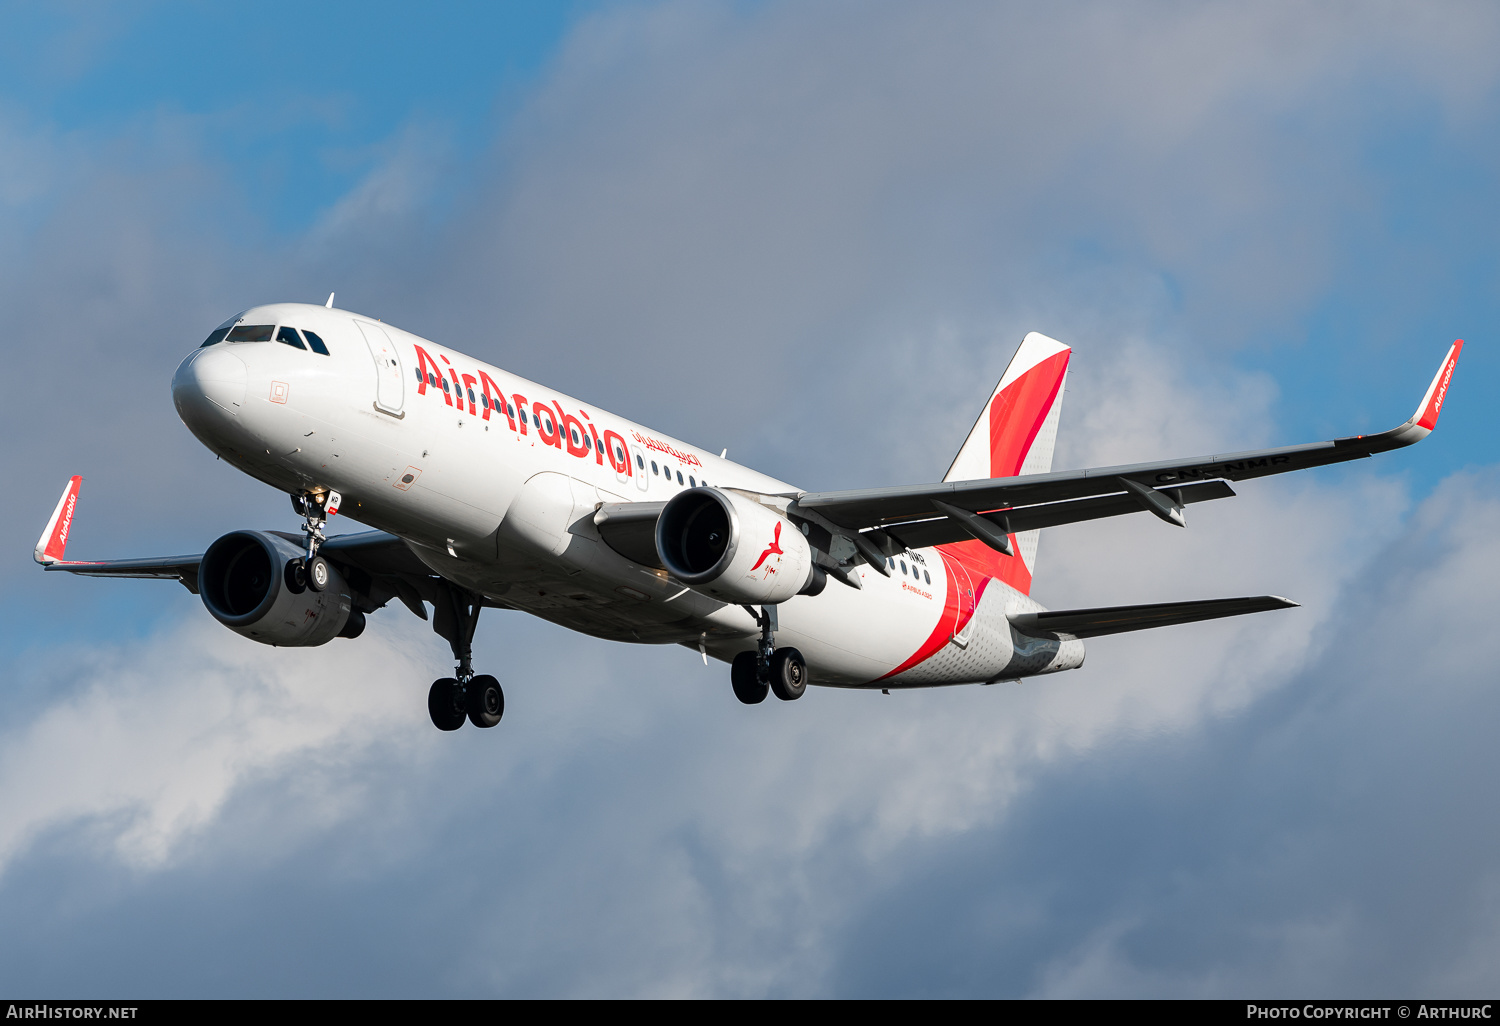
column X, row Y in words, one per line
column 812, row 233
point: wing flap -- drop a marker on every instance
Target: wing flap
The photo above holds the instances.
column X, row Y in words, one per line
column 943, row 531
column 1094, row 623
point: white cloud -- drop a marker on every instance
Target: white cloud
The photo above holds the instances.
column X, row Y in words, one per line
column 163, row 732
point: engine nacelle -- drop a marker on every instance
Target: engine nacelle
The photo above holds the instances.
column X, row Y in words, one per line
column 734, row 549
column 243, row 582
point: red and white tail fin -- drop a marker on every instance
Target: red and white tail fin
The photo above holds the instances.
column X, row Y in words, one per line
column 1017, row 429
column 52, row 546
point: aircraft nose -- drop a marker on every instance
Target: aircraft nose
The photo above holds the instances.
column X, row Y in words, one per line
column 214, row 375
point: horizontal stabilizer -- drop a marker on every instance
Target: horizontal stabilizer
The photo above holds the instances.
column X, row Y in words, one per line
column 1093, row 623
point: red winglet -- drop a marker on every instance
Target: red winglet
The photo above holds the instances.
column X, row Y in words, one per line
column 1432, row 402
column 53, row 544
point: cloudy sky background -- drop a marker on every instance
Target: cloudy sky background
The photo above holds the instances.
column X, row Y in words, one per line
column 813, row 233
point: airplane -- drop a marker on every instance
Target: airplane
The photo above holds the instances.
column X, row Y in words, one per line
column 485, row 490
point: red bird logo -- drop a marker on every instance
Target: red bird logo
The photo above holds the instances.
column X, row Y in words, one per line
column 773, row 549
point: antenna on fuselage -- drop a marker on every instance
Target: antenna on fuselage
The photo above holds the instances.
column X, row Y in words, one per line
column 329, row 304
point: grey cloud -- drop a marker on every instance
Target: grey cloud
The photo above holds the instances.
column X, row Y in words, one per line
column 629, row 830
column 823, row 186
column 1336, row 838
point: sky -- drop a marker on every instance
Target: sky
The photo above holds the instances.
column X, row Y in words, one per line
column 813, row 233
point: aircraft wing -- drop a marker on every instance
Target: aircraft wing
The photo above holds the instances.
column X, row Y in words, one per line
column 989, row 509
column 381, row 565
column 167, row 568
column 1093, row 623
column 375, row 552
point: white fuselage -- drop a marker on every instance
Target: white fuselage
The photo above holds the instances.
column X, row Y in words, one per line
column 499, row 497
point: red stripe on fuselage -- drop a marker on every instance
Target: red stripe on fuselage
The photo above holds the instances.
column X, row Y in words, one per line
column 1016, row 418
column 958, row 610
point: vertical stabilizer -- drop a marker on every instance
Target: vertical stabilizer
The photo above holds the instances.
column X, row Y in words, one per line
column 1016, row 431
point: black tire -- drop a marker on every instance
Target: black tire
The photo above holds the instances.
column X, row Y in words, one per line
column 748, row 687
column 296, row 577
column 445, row 704
column 486, row 701
column 788, row 674
column 318, row 573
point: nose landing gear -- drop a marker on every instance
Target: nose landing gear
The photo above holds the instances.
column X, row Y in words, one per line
column 477, row 698
column 781, row 671
column 312, row 570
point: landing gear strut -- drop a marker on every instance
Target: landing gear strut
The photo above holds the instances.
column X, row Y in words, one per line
column 312, row 570
column 779, row 670
column 467, row 695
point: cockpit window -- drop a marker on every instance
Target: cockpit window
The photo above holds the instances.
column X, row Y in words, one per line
column 316, row 343
column 215, row 338
column 252, row 333
column 290, row 337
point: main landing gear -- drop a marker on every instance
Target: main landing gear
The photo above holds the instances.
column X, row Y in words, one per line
column 768, row 669
column 477, row 698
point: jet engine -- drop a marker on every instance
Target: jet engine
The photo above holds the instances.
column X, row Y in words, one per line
column 245, row 583
column 734, row 549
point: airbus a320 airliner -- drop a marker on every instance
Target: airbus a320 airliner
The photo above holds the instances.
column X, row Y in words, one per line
column 487, row 490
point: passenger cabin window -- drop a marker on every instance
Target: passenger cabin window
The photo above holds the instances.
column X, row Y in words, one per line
column 927, row 576
column 251, row 333
column 679, row 477
column 692, row 483
column 653, row 467
column 640, row 464
column 316, row 343
column 215, row 338
column 291, row 338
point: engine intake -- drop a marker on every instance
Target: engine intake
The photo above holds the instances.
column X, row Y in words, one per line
column 243, row 583
column 734, row 549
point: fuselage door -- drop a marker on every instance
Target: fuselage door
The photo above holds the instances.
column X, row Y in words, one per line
column 390, row 383
column 642, row 473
